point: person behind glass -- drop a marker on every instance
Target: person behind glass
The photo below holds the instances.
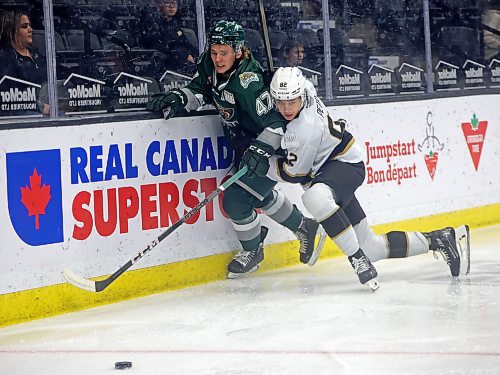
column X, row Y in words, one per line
column 325, row 158
column 19, row 58
column 293, row 53
column 229, row 77
column 163, row 32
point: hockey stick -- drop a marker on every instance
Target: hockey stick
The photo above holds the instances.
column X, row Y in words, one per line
column 98, row 286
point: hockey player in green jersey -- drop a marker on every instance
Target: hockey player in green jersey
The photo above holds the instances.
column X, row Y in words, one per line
column 230, row 78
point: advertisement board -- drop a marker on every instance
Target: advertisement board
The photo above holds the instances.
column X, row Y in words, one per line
column 88, row 197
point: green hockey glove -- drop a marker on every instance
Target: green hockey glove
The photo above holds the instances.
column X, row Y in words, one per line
column 169, row 102
column 256, row 158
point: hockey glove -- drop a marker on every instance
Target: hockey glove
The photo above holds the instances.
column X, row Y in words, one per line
column 169, row 102
column 256, row 158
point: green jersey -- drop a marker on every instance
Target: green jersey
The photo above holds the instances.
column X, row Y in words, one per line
column 242, row 98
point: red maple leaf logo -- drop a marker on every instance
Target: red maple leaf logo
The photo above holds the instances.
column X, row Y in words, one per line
column 35, row 197
column 475, row 132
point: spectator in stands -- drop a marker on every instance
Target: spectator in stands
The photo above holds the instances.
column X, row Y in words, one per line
column 292, row 54
column 18, row 57
column 162, row 31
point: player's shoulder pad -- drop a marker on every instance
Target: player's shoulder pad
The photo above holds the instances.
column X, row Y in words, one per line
column 248, row 77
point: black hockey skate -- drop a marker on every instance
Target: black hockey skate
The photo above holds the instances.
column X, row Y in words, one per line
column 364, row 269
column 247, row 261
column 306, row 234
column 454, row 246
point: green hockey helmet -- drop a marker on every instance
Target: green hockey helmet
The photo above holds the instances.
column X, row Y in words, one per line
column 227, row 32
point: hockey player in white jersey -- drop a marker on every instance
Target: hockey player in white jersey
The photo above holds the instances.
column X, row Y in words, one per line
column 325, row 158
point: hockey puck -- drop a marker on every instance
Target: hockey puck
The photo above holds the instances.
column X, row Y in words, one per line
column 123, row 365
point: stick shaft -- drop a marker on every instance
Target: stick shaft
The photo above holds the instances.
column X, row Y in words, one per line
column 83, row 283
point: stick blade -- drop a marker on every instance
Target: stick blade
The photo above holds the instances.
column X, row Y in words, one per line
column 462, row 235
column 79, row 281
column 318, row 248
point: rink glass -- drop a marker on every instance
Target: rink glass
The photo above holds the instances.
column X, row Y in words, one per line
column 371, row 50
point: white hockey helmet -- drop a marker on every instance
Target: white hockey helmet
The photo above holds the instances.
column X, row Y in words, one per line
column 288, row 83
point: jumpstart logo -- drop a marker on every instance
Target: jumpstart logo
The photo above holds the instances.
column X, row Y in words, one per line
column 381, row 166
column 430, row 146
column 98, row 206
column 34, row 196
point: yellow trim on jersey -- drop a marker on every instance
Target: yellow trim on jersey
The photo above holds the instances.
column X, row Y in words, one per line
column 345, row 150
column 287, row 176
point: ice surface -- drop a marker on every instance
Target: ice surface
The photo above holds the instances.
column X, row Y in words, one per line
column 299, row 320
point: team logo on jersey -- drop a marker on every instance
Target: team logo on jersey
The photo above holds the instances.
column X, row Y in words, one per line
column 228, row 97
column 474, row 133
column 34, row 196
column 248, row 77
column 226, row 113
column 430, row 146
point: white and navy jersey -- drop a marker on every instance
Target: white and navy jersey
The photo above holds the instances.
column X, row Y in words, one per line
column 311, row 139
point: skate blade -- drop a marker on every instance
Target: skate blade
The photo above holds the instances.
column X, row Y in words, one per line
column 372, row 284
column 462, row 238
column 236, row 275
column 317, row 251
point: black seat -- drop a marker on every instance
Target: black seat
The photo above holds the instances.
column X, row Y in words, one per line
column 338, row 41
column 76, row 40
column 191, row 37
column 71, row 2
column 253, row 39
column 307, row 36
column 356, row 55
column 337, row 37
column 457, row 44
column 277, row 39
column 284, row 17
column 98, row 2
column 39, row 41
